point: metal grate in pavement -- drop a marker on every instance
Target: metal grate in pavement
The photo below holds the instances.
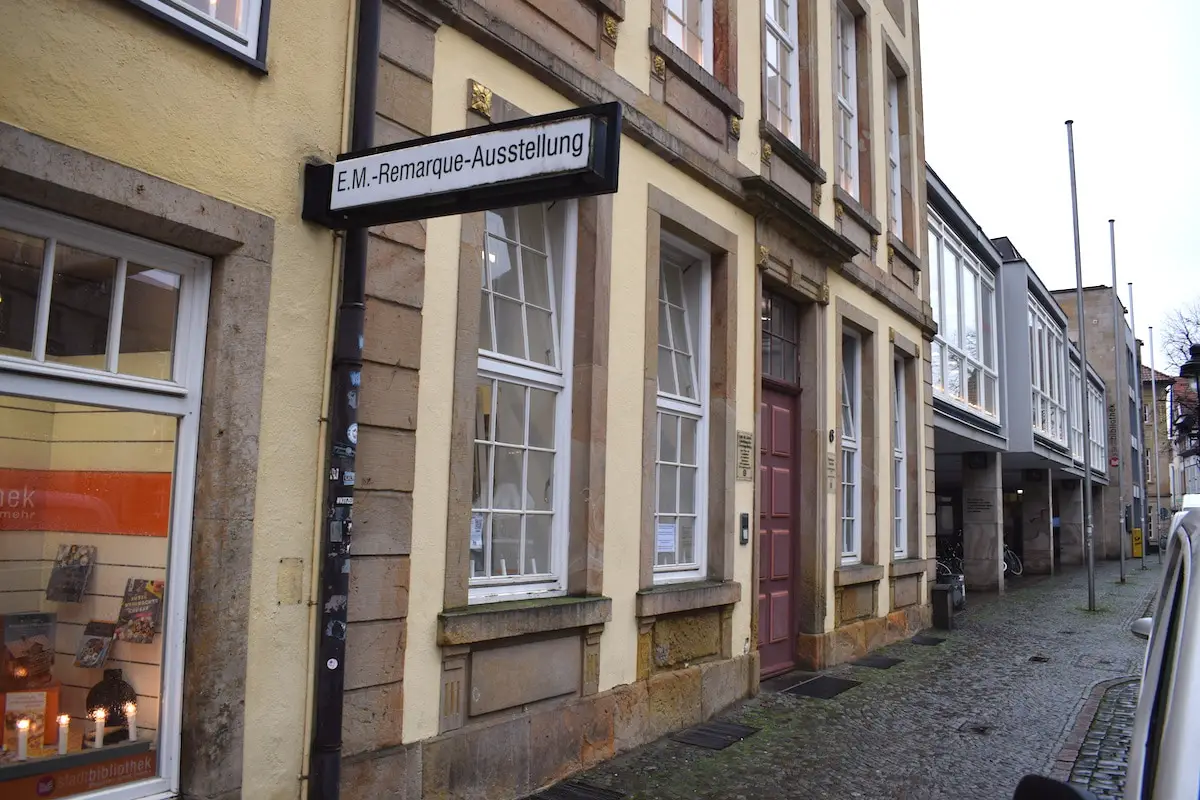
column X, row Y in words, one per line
column 877, row 662
column 787, row 680
column 1039, row 659
column 575, row 790
column 927, row 641
column 715, row 735
column 823, row 687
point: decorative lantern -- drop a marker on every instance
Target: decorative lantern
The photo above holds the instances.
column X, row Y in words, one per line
column 112, row 694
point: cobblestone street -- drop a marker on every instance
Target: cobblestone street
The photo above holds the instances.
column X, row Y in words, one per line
column 967, row 718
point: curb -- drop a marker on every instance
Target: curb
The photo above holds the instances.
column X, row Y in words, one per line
column 1064, row 762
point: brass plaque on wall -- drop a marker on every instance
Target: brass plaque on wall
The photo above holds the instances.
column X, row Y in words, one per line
column 745, row 456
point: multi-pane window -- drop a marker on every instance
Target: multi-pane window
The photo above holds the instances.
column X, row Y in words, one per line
column 522, row 403
column 1075, row 394
column 233, row 24
column 895, row 205
column 780, row 67
column 688, row 23
column 851, row 402
column 680, row 475
column 899, row 462
column 1096, row 423
column 962, row 292
column 779, row 338
column 1048, row 366
column 846, row 110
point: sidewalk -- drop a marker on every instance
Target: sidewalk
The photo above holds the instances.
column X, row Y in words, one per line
column 966, row 718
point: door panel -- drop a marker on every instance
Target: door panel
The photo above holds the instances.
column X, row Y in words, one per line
column 777, row 528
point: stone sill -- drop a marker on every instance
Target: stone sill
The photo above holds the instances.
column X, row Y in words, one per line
column 675, row 597
column 910, row 566
column 701, row 79
column 853, row 574
column 787, row 150
column 856, row 211
column 520, row 617
column 904, row 252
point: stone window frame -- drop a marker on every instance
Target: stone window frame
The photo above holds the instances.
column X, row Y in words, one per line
column 851, row 319
column 894, row 66
column 864, row 192
column 667, row 214
column 240, row 243
column 723, row 33
column 909, row 353
column 589, row 397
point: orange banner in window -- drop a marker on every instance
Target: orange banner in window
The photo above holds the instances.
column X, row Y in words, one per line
column 128, row 503
column 73, row 781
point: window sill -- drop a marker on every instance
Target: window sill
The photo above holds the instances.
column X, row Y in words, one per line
column 853, row 574
column 789, row 151
column 520, row 617
column 672, row 598
column 904, row 252
column 909, row 566
column 700, row 78
column 856, row 211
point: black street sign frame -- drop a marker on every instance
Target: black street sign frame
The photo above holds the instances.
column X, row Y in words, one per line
column 600, row 176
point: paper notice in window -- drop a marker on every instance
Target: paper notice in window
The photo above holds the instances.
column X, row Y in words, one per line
column 664, row 538
column 477, row 531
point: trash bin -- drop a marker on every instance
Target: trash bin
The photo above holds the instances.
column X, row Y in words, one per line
column 958, row 589
column 943, row 606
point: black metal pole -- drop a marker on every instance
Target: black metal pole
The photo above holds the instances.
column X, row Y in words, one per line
column 326, row 755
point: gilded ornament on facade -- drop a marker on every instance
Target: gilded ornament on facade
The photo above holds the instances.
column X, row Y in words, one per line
column 823, row 293
column 481, row 99
column 875, row 243
column 767, row 152
column 816, row 194
column 891, row 255
column 660, row 66
column 839, row 210
column 735, row 126
column 610, row 27
column 764, row 255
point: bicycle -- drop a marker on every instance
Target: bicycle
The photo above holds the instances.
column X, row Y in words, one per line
column 1012, row 562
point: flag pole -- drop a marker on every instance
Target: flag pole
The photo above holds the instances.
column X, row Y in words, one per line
column 1118, row 357
column 1154, row 420
column 1088, row 538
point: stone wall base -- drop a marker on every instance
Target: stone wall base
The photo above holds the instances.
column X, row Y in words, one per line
column 816, row 651
column 517, row 756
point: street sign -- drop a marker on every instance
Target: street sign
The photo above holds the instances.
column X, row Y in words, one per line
column 555, row 156
column 1114, row 461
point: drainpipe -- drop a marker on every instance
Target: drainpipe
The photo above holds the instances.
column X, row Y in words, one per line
column 325, row 758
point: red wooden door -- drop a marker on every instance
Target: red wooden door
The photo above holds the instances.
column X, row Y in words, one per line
column 777, row 533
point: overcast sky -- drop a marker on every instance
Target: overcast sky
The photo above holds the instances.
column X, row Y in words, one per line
column 1001, row 78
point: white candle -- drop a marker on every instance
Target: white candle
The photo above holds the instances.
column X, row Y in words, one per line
column 22, row 739
column 100, row 714
column 64, row 730
column 131, row 720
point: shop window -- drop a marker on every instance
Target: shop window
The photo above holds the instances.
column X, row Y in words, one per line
column 101, row 357
column 518, row 535
column 680, row 533
column 234, row 25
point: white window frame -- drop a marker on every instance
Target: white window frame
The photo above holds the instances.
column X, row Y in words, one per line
column 899, row 461
column 493, row 365
column 851, row 443
column 1047, row 362
column 697, row 409
column 895, row 205
column 942, row 239
column 1097, row 424
column 846, row 94
column 1075, row 393
column 244, row 42
column 706, row 31
column 789, row 62
column 179, row 398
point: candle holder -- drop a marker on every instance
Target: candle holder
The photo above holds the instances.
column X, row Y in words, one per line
column 112, row 694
